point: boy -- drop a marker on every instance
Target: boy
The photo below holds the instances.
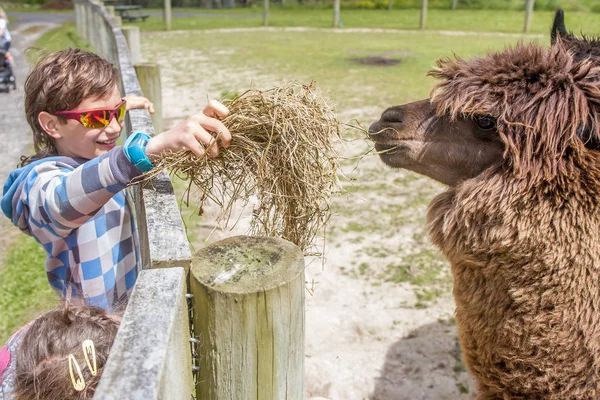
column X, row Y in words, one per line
column 70, row 195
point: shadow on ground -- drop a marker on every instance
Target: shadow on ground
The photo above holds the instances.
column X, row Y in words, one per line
column 425, row 365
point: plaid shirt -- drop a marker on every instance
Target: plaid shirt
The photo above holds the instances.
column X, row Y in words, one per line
column 78, row 211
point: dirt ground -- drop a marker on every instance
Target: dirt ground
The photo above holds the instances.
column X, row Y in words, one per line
column 379, row 310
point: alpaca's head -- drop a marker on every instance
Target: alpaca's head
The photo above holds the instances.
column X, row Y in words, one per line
column 530, row 111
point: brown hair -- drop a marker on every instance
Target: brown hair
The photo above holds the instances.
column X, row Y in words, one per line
column 59, row 82
column 541, row 98
column 42, row 363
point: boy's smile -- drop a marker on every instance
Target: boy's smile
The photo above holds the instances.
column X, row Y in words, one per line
column 72, row 139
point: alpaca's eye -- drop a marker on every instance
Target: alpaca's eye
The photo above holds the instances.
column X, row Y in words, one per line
column 485, row 122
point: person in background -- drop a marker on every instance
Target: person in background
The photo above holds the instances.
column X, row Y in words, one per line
column 5, row 38
column 58, row 356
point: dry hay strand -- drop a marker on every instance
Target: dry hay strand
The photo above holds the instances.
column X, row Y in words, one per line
column 282, row 152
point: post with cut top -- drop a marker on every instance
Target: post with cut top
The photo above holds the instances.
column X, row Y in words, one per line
column 132, row 35
column 148, row 75
column 249, row 318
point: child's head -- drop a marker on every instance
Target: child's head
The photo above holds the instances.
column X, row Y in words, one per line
column 42, row 362
column 71, row 80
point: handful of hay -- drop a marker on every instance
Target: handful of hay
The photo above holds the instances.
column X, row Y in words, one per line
column 282, row 152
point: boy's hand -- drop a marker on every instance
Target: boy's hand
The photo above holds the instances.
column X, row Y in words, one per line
column 134, row 102
column 196, row 133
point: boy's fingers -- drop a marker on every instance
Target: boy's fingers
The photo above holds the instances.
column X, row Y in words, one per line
column 215, row 109
column 196, row 148
column 206, row 139
column 216, row 126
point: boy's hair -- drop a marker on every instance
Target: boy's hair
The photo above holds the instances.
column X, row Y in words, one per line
column 60, row 82
column 42, row 363
column 3, row 15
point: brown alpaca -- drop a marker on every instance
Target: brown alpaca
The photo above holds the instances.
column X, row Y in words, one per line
column 515, row 136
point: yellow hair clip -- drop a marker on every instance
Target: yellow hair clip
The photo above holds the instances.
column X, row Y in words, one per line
column 78, row 382
column 90, row 350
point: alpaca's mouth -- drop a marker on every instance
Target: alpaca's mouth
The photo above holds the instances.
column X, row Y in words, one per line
column 390, row 148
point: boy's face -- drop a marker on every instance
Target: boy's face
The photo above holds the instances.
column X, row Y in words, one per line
column 74, row 140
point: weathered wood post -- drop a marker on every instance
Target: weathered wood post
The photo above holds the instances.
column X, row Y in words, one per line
column 454, row 4
column 423, row 14
column 249, row 317
column 148, row 75
column 528, row 13
column 336, row 13
column 132, row 35
column 265, row 12
column 167, row 14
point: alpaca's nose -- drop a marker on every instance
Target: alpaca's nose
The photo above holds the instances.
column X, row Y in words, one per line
column 393, row 115
column 391, row 118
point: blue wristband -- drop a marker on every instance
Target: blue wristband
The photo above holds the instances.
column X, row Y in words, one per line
column 135, row 150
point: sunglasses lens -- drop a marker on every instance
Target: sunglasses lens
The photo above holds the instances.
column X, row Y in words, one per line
column 101, row 118
column 95, row 119
column 121, row 112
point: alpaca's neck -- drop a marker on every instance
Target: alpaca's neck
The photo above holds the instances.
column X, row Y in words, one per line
column 497, row 217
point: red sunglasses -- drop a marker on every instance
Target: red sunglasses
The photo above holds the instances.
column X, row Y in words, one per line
column 97, row 118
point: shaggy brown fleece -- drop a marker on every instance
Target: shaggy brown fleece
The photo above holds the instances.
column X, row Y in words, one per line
column 523, row 238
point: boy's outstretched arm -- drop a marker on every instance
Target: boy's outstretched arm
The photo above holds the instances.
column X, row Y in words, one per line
column 65, row 196
column 196, row 133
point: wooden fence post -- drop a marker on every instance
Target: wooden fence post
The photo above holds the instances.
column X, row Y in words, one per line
column 132, row 35
column 167, row 11
column 336, row 13
column 148, row 75
column 454, row 3
column 423, row 14
column 265, row 12
column 528, row 13
column 249, row 317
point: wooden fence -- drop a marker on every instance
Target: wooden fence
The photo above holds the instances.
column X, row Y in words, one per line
column 245, row 296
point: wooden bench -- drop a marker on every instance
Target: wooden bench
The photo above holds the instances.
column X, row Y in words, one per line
column 131, row 13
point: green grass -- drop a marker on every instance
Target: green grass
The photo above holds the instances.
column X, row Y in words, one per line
column 24, row 288
column 326, row 57
column 458, row 20
column 56, row 39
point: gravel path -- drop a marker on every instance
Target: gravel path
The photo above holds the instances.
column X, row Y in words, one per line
column 15, row 136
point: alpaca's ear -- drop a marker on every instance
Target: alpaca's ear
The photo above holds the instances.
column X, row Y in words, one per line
column 558, row 27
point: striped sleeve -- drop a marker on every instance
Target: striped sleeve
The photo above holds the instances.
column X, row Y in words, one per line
column 63, row 198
